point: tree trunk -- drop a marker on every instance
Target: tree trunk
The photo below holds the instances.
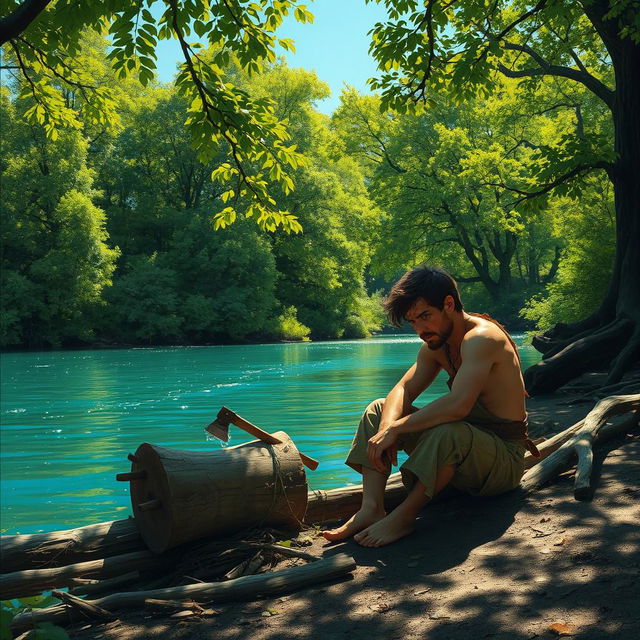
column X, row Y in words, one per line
column 611, row 336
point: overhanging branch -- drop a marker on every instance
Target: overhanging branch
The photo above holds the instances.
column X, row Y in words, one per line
column 545, row 68
column 15, row 23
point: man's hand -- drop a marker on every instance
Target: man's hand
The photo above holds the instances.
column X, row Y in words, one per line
column 382, row 449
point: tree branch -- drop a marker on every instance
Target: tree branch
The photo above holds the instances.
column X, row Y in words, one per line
column 527, row 195
column 15, row 23
column 547, row 69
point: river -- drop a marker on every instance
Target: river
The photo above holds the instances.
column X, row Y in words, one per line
column 69, row 418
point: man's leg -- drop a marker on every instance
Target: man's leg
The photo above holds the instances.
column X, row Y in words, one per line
column 372, row 509
column 400, row 521
column 373, row 482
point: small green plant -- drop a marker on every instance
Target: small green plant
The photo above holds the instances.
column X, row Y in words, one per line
column 9, row 609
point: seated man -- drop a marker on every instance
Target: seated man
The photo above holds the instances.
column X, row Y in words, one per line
column 473, row 437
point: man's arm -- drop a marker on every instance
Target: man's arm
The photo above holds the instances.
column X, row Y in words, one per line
column 399, row 400
column 478, row 357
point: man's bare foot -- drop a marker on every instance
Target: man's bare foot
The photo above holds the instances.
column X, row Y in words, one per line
column 359, row 521
column 391, row 528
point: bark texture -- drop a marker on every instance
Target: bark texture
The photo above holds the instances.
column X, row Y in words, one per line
column 610, row 338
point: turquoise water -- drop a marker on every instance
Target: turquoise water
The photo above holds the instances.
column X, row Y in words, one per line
column 69, row 418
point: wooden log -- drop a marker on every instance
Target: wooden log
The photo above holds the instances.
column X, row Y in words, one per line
column 190, row 495
column 59, row 548
column 33, row 581
column 559, row 460
column 245, row 588
column 548, row 446
column 93, row 587
column 83, row 606
column 582, row 489
column 107, row 539
column 335, row 504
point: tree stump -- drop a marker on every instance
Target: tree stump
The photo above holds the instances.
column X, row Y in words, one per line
column 179, row 496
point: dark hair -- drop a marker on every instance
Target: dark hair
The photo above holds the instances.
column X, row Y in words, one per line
column 431, row 283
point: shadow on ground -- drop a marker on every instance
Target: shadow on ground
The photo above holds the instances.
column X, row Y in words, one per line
column 504, row 567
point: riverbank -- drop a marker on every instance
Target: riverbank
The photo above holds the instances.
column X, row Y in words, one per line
column 513, row 566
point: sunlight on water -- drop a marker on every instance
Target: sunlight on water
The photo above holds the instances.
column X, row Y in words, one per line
column 69, row 418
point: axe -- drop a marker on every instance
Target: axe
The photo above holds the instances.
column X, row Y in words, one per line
column 219, row 428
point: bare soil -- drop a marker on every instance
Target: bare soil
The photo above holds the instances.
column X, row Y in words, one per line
column 514, row 566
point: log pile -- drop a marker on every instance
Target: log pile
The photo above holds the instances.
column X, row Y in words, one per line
column 108, row 557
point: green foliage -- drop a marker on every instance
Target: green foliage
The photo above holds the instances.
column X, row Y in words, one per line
column 50, row 64
column 55, row 260
column 583, row 275
column 288, row 327
column 42, row 630
column 446, row 181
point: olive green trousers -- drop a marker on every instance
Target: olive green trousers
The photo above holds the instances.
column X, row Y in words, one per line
column 485, row 464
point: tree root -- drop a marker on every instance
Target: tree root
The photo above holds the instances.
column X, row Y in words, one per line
column 579, row 441
column 563, row 333
column 596, row 350
column 627, row 357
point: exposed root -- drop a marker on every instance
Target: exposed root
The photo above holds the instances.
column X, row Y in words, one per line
column 580, row 443
column 627, row 357
column 596, row 350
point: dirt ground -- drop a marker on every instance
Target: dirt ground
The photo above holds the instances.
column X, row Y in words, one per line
column 505, row 567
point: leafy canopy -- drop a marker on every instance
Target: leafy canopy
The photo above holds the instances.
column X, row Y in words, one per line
column 43, row 52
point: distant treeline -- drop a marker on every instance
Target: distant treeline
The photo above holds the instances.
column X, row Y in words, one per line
column 107, row 232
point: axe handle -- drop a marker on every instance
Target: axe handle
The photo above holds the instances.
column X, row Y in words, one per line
column 267, row 437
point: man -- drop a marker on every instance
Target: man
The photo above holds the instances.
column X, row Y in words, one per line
column 473, row 437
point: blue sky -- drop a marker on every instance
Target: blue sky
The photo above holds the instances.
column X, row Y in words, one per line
column 335, row 46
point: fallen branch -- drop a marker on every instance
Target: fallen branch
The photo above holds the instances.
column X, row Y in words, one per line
column 547, row 447
column 246, row 568
column 93, row 587
column 60, row 548
column 584, row 449
column 33, row 581
column 89, row 609
column 245, row 588
column 285, row 551
column 580, row 444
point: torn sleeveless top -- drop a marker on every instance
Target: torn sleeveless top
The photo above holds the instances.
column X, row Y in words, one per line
column 479, row 416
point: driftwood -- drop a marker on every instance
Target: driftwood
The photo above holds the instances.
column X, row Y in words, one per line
column 580, row 444
column 33, row 581
column 85, row 607
column 92, row 587
column 60, row 548
column 106, row 539
column 247, row 587
column 548, row 446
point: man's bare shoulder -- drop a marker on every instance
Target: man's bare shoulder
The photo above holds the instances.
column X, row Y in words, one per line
column 483, row 340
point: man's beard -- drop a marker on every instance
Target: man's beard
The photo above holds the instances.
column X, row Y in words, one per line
column 442, row 337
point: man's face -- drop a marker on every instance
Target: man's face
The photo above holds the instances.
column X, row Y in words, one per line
column 433, row 325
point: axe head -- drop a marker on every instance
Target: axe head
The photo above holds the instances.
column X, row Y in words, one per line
column 219, row 428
